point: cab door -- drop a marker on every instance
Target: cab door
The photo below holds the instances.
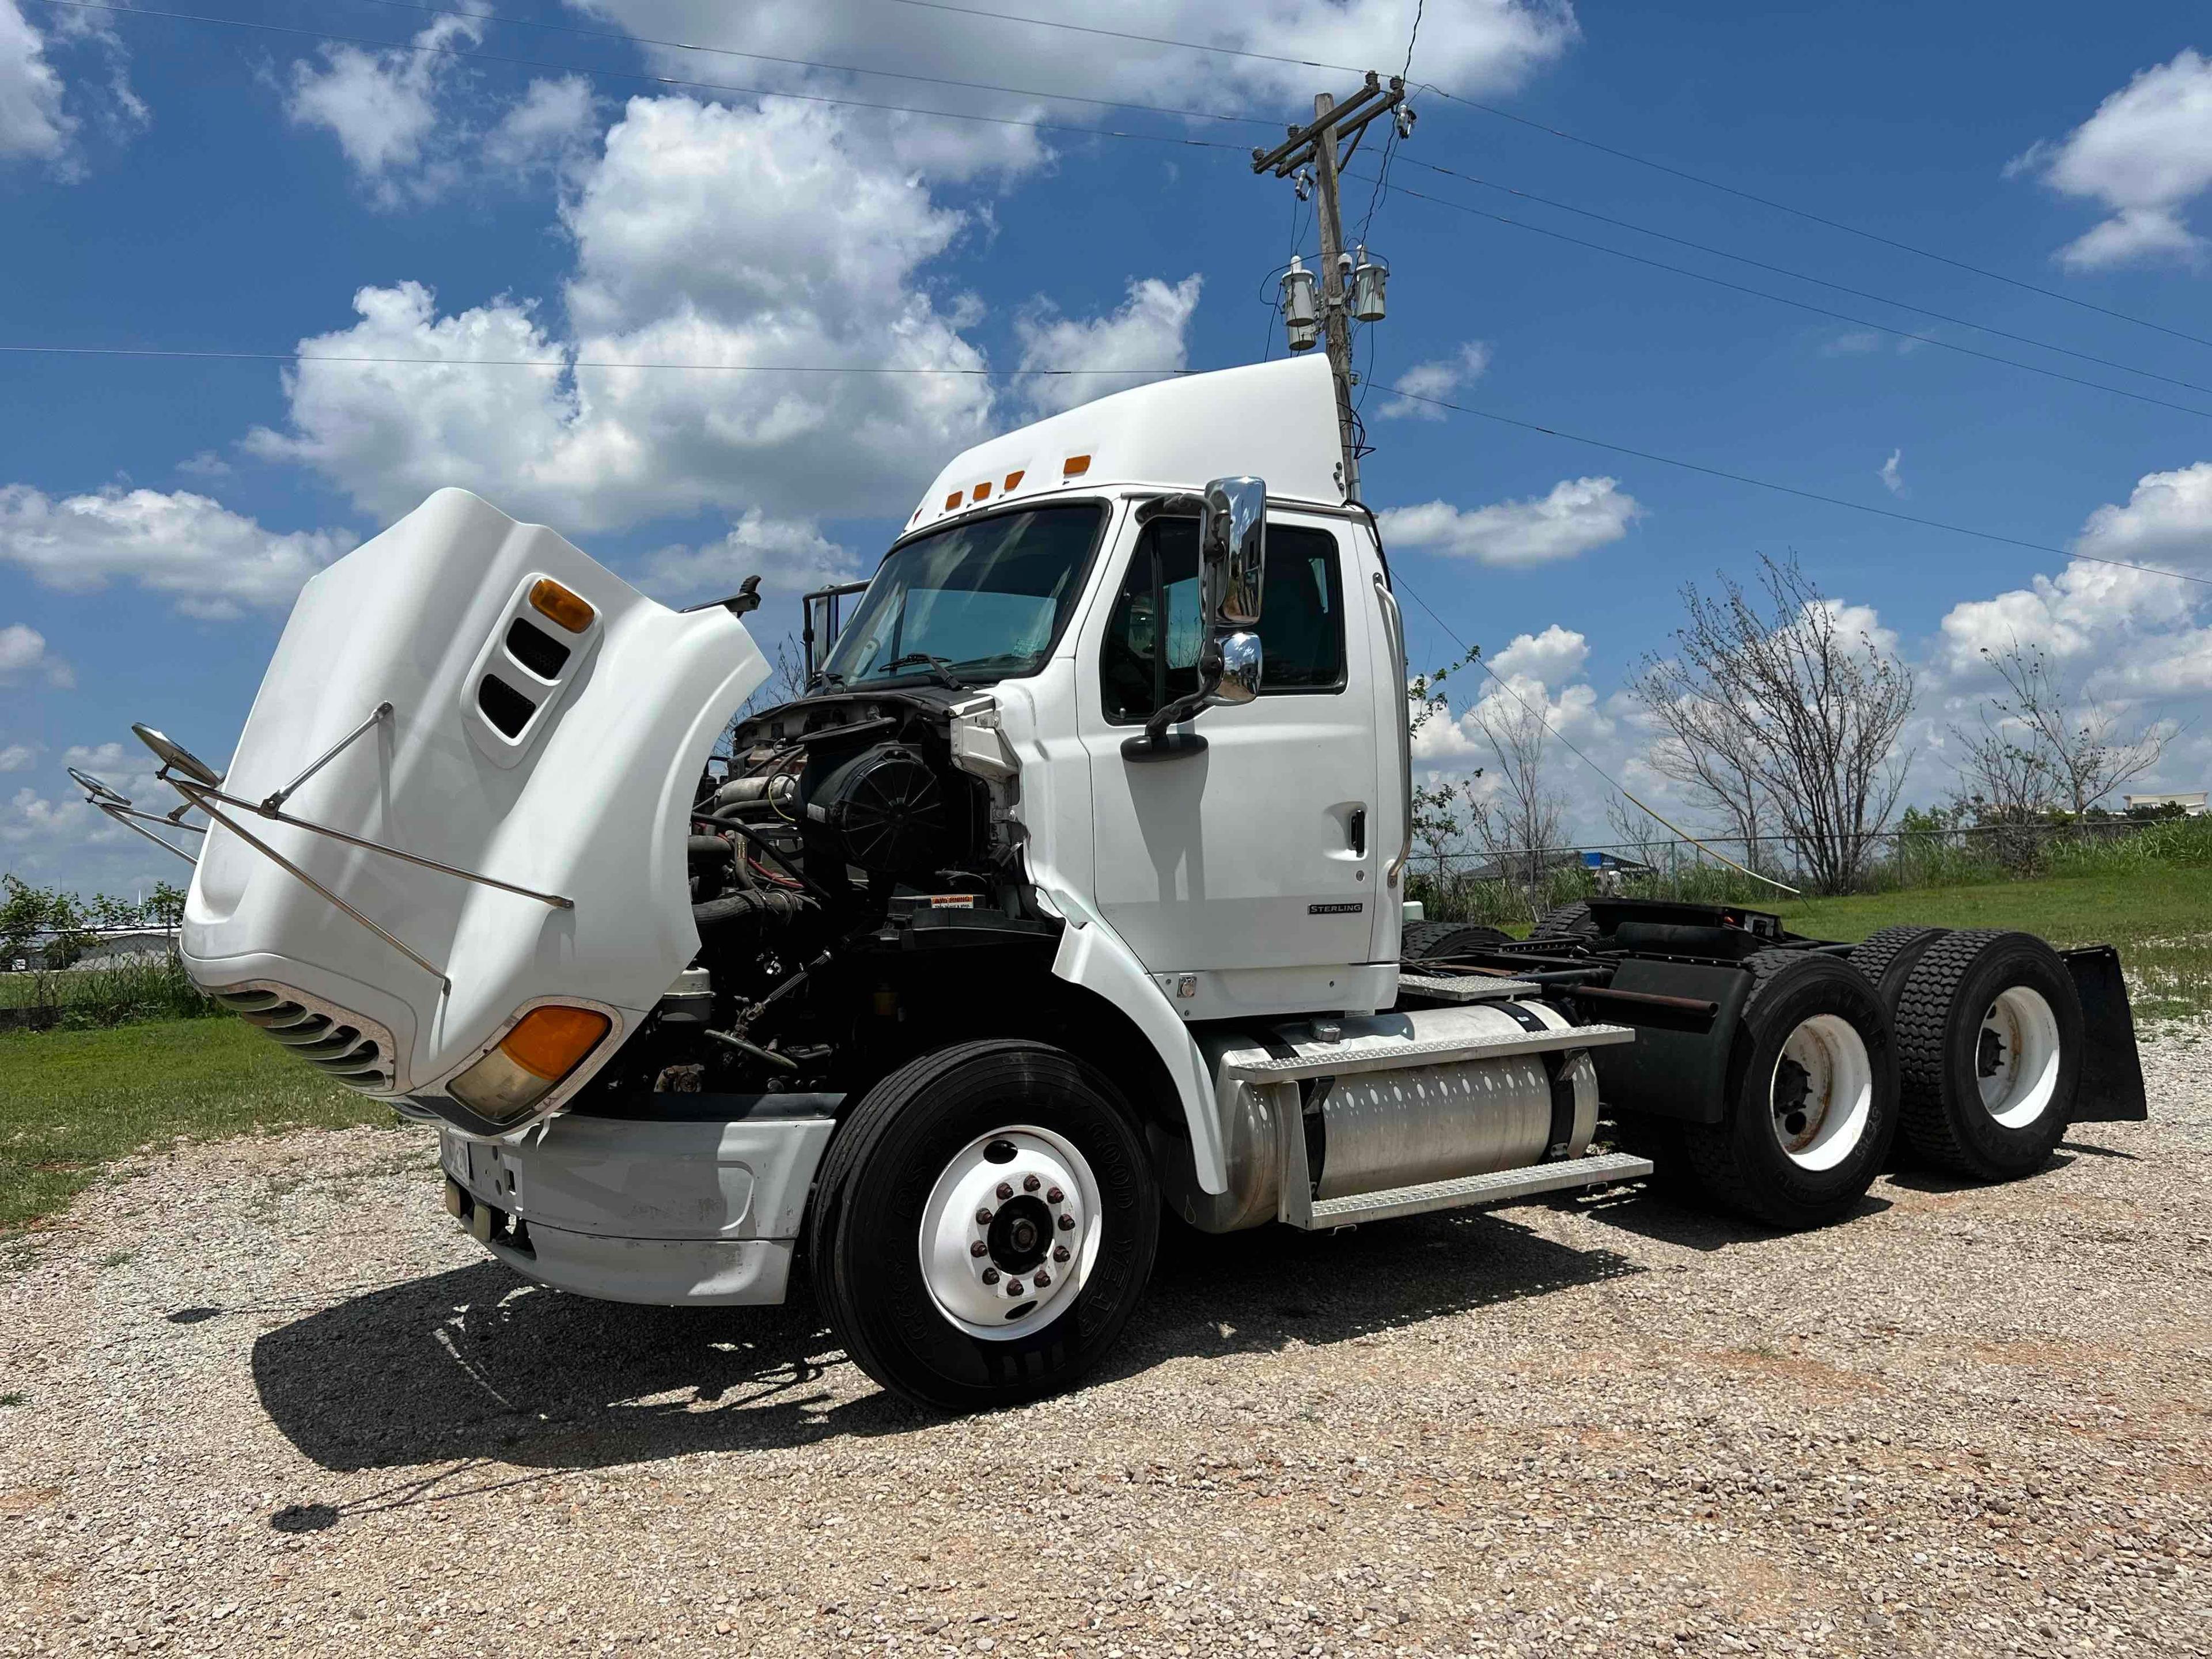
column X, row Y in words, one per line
column 1259, row 850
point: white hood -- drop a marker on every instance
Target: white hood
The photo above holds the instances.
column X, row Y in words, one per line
column 589, row 800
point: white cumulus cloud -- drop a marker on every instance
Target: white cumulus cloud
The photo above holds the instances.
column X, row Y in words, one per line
column 32, row 121
column 1466, row 45
column 824, row 269
column 1891, row 472
column 2144, row 156
column 1150, row 332
column 211, row 561
column 23, row 655
column 1438, row 378
column 1579, row 515
column 17, row 758
column 42, row 116
column 410, row 118
column 2132, row 633
column 789, row 556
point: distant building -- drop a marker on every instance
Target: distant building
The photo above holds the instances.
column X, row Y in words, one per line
column 95, row 946
column 2191, row 802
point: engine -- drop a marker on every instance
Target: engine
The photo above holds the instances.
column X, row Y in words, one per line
column 832, row 850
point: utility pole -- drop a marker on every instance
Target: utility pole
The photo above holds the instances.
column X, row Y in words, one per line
column 1336, row 328
column 1317, row 144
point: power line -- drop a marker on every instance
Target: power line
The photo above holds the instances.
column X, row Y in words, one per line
column 1805, row 277
column 1807, row 214
column 1123, row 34
column 1791, row 489
column 1803, row 305
column 564, row 364
column 1588, row 143
column 649, row 80
column 806, row 63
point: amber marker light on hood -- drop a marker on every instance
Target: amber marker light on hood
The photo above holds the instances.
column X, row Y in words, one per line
column 572, row 611
column 543, row 1046
column 1075, row 466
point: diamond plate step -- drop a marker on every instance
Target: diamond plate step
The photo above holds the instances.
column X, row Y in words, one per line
column 1466, row 988
column 1467, row 1192
column 1359, row 1055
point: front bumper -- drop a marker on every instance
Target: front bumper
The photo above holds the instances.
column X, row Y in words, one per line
column 672, row 1200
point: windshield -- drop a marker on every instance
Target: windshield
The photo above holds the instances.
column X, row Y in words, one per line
column 980, row 601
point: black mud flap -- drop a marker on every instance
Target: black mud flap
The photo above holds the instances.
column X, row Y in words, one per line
column 2111, row 1087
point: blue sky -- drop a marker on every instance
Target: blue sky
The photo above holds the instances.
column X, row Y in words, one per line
column 180, row 186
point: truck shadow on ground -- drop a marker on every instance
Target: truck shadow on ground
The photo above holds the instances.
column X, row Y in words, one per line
column 474, row 1364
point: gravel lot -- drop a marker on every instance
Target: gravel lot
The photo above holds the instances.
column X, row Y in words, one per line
column 263, row 1395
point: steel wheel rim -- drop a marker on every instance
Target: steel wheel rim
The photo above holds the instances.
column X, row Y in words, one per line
column 976, row 1291
column 2016, row 1056
column 1819, row 1110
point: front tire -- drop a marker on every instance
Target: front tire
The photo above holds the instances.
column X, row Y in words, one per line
column 900, row 1207
column 1812, row 1096
column 1990, row 1040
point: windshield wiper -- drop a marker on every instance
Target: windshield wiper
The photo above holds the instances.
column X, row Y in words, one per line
column 940, row 666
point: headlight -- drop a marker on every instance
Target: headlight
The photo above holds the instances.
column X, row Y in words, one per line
column 543, row 1046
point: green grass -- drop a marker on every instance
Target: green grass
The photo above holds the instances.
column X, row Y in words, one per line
column 2160, row 919
column 71, row 1101
column 108, row 993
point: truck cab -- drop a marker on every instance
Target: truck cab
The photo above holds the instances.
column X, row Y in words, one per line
column 1067, row 893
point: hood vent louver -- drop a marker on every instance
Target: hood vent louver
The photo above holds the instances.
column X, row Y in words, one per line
column 349, row 1049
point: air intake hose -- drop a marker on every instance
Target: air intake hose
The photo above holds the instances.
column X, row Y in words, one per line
column 758, row 908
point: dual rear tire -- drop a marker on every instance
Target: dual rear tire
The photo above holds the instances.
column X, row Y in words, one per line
column 1812, row 1096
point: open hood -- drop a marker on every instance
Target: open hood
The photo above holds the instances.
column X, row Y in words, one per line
column 544, row 726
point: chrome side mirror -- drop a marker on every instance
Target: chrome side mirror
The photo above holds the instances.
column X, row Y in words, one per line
column 1238, row 680
column 1232, row 551
column 1232, row 572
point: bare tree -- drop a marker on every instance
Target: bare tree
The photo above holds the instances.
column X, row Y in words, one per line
column 2050, row 746
column 787, row 680
column 1519, row 823
column 1785, row 715
column 1437, row 807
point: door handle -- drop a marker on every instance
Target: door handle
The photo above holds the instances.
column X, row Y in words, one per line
column 1356, row 830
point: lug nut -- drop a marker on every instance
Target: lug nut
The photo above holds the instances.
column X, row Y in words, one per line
column 1054, row 1196
column 990, row 1275
column 1005, row 1192
column 1013, row 1287
column 1067, row 1224
column 1031, row 1183
column 983, row 1218
column 1043, row 1278
column 1060, row 1253
column 979, row 1247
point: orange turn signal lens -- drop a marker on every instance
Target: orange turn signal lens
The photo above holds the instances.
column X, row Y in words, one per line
column 953, row 501
column 572, row 611
column 1075, row 466
column 548, row 1041
column 1012, row 478
column 982, row 492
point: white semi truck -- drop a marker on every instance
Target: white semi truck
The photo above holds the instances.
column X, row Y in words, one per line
column 1069, row 893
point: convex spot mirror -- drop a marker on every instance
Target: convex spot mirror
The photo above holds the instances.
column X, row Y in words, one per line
column 1232, row 552
column 1236, row 679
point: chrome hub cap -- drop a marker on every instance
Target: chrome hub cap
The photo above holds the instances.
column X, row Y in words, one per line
column 1010, row 1233
column 1822, row 1092
column 2017, row 1057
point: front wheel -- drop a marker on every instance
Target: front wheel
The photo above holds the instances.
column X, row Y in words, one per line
column 983, row 1226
